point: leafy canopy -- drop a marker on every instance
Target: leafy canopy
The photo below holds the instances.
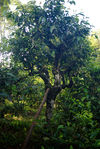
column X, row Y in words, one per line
column 50, row 42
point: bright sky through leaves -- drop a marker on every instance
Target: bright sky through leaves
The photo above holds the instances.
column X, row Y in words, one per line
column 91, row 9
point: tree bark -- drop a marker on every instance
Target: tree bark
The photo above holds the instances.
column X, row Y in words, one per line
column 49, row 109
column 53, row 92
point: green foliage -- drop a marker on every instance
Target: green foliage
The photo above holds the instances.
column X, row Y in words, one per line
column 4, row 4
column 20, row 90
column 13, row 132
column 48, row 42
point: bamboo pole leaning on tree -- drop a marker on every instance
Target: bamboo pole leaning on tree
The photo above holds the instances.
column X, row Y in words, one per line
column 35, row 117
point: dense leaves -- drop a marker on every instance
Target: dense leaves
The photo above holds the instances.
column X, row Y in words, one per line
column 49, row 48
column 49, row 40
column 51, row 44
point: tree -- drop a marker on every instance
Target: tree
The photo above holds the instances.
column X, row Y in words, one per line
column 51, row 44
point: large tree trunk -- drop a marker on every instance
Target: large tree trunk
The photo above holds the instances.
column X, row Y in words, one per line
column 53, row 92
column 49, row 109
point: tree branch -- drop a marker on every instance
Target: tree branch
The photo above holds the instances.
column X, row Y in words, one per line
column 35, row 117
